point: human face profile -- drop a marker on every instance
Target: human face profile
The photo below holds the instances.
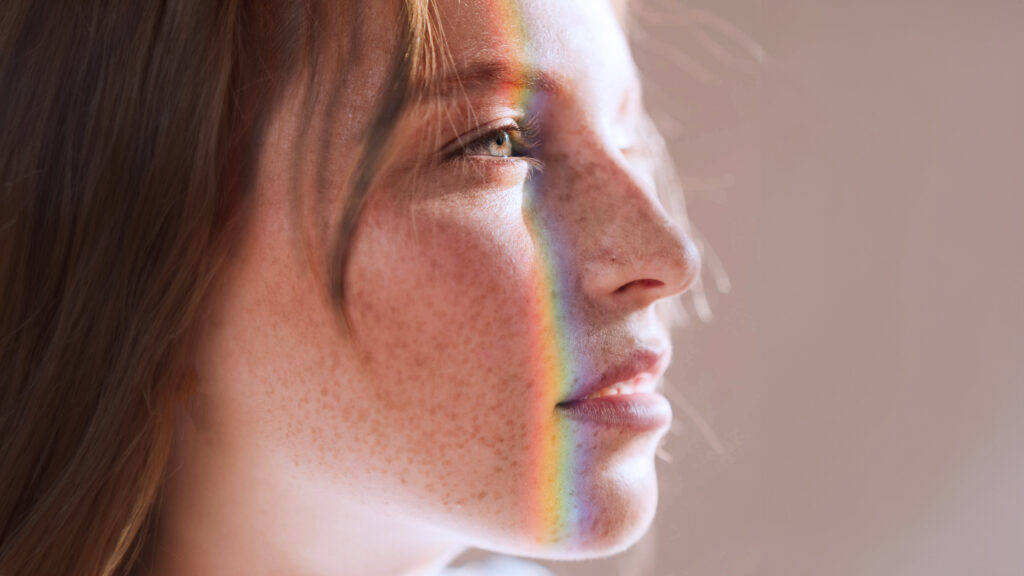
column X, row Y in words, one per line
column 496, row 385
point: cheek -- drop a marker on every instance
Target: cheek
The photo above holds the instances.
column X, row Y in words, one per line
column 440, row 303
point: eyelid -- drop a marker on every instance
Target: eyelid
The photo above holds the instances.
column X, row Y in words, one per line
column 524, row 131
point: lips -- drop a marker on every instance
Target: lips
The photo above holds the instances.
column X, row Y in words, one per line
column 637, row 374
column 624, row 396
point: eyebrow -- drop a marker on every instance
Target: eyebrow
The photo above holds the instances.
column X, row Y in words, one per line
column 486, row 75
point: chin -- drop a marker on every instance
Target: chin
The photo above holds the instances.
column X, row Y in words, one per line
column 609, row 513
column 599, row 501
column 617, row 513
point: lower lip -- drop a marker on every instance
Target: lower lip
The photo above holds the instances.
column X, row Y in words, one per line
column 640, row 411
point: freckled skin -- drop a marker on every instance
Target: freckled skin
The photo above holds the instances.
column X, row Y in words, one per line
column 389, row 447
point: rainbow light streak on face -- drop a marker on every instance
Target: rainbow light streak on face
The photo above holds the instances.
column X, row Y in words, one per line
column 555, row 459
column 555, row 504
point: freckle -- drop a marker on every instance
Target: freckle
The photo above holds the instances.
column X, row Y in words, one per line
column 481, row 495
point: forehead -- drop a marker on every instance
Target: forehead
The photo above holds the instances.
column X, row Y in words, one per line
column 557, row 45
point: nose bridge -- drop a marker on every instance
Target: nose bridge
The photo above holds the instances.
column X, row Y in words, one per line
column 629, row 249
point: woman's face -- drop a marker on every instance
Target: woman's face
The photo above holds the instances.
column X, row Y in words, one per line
column 483, row 294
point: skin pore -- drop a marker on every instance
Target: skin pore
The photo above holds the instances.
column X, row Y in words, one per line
column 513, row 215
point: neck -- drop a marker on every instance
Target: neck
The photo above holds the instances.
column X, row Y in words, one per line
column 219, row 517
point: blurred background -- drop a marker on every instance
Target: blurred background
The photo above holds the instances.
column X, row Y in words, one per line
column 856, row 404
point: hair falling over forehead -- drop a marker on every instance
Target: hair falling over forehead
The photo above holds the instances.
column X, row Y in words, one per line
column 421, row 55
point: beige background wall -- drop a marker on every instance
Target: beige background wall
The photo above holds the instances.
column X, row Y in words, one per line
column 857, row 405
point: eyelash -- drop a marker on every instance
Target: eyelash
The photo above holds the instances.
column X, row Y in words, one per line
column 523, row 136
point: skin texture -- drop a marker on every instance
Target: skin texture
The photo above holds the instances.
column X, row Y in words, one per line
column 390, row 447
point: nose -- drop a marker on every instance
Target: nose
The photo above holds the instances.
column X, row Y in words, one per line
column 638, row 253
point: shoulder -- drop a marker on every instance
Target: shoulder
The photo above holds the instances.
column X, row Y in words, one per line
column 499, row 566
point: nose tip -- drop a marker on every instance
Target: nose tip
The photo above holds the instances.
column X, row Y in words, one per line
column 666, row 270
column 660, row 261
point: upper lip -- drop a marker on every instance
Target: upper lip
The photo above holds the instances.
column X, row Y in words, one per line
column 639, row 362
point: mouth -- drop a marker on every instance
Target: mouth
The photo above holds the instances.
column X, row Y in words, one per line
column 639, row 384
column 624, row 396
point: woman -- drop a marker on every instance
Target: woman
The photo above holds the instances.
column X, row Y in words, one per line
column 326, row 288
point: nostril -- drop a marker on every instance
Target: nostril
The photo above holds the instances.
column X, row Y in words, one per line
column 643, row 283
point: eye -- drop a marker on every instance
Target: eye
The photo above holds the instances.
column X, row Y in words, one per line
column 509, row 145
column 501, row 143
column 512, row 139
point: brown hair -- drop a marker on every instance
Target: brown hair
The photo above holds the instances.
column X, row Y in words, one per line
column 130, row 132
